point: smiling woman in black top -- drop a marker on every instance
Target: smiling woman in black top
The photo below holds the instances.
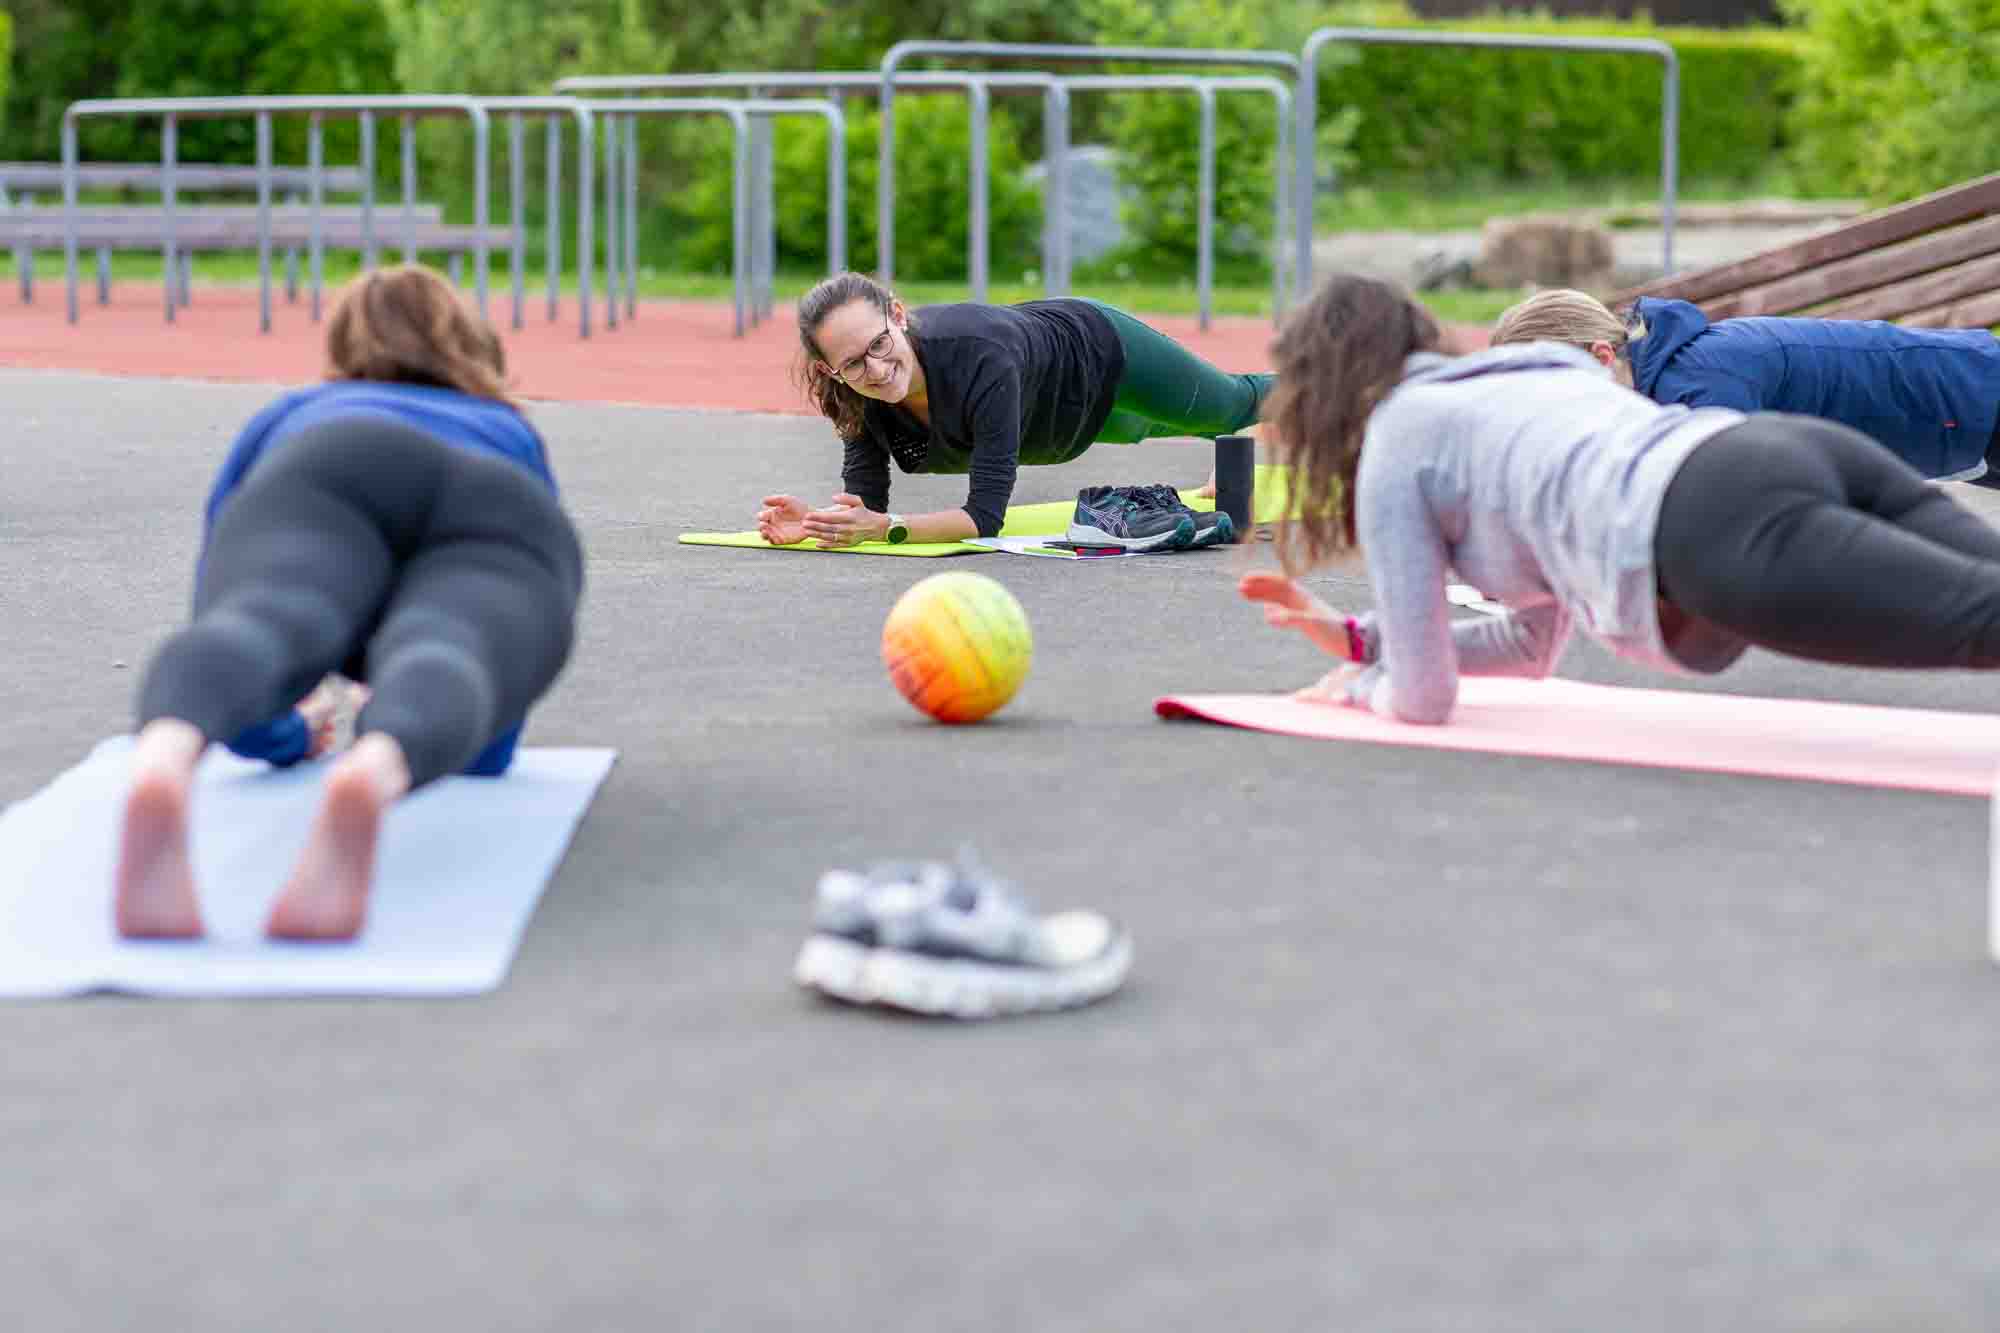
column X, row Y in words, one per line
column 982, row 389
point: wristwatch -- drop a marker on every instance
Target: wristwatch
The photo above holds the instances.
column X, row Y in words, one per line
column 898, row 531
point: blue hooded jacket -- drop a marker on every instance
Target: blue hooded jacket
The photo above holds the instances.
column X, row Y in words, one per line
column 460, row 420
column 1931, row 395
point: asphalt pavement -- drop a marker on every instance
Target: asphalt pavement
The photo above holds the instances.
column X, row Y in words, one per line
column 1416, row 1040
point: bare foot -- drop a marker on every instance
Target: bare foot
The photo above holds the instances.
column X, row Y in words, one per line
column 1207, row 489
column 326, row 897
column 155, row 883
column 153, row 887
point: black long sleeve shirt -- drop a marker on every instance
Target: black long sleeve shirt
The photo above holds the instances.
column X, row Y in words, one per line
column 1028, row 383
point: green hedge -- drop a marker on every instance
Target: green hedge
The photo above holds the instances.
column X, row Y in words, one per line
column 1454, row 111
column 1898, row 99
column 6, row 64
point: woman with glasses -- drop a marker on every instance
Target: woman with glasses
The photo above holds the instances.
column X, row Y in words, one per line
column 1931, row 395
column 982, row 389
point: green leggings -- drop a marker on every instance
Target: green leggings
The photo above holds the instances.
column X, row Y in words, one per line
column 1167, row 390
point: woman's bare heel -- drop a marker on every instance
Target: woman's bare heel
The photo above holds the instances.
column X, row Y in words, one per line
column 154, row 894
column 326, row 897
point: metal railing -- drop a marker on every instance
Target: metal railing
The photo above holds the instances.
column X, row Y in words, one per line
column 552, row 110
column 1205, row 88
column 262, row 109
column 977, row 88
column 892, row 60
column 1305, row 106
column 739, row 114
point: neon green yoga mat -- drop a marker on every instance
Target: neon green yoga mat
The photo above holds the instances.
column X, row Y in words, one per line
column 1048, row 519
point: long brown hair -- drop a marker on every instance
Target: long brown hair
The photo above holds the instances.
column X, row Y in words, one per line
column 1337, row 356
column 836, row 401
column 407, row 325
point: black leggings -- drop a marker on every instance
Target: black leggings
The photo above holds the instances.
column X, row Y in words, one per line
column 1809, row 538
column 447, row 580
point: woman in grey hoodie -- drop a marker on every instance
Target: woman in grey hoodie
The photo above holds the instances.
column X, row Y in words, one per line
column 1675, row 536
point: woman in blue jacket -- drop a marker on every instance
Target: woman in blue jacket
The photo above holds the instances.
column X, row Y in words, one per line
column 398, row 525
column 1931, row 395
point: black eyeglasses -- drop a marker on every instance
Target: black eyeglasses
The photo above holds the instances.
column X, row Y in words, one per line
column 878, row 348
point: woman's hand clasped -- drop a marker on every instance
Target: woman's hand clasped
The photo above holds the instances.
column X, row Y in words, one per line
column 786, row 521
column 781, row 521
column 845, row 522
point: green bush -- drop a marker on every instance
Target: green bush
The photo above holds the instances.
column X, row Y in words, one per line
column 1897, row 99
column 932, row 199
column 1159, row 140
column 1461, row 111
column 6, row 64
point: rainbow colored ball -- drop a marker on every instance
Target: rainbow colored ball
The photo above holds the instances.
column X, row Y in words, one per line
column 957, row 646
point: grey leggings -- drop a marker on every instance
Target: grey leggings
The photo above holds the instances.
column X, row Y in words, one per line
column 448, row 580
column 1809, row 538
column 1167, row 390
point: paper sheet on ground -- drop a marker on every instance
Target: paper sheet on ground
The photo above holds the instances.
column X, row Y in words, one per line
column 1815, row 740
column 1047, row 519
column 460, row 869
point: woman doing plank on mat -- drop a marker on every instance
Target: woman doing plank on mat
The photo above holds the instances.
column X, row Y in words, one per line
column 1675, row 536
column 982, row 389
column 1931, row 395
column 398, row 525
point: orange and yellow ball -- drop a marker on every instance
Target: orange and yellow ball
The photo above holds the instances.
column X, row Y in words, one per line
column 957, row 645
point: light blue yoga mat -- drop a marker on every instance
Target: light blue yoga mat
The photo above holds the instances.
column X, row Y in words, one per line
column 460, row 868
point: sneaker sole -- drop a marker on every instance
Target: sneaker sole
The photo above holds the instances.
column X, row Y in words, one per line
column 1181, row 536
column 953, row 987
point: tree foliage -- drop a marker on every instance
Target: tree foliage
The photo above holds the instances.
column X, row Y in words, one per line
column 1897, row 99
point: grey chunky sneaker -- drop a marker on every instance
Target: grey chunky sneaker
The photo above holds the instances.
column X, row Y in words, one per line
column 1126, row 516
column 952, row 941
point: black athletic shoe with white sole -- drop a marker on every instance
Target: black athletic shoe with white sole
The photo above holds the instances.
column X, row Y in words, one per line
column 1125, row 516
column 950, row 941
column 1212, row 527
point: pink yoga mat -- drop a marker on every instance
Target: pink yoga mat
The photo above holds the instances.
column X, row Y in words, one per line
column 1917, row 749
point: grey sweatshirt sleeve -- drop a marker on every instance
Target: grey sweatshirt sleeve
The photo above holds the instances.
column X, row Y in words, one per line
column 1520, row 643
column 1421, row 653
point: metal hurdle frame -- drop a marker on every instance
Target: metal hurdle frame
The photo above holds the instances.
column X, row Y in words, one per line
column 551, row 109
column 893, row 58
column 1305, row 107
column 978, row 91
column 978, row 86
column 740, row 115
column 1205, row 88
column 173, row 109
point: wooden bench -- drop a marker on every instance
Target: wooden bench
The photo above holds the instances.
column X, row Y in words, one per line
column 1931, row 263
column 235, row 229
column 195, row 177
column 28, row 224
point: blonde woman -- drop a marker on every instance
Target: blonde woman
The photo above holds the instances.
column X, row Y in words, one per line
column 1931, row 395
column 398, row 525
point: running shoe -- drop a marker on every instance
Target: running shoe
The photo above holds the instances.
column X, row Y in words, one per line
column 1212, row 527
column 1124, row 516
column 954, row 942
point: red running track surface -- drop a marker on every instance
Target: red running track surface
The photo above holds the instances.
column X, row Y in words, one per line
column 676, row 353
